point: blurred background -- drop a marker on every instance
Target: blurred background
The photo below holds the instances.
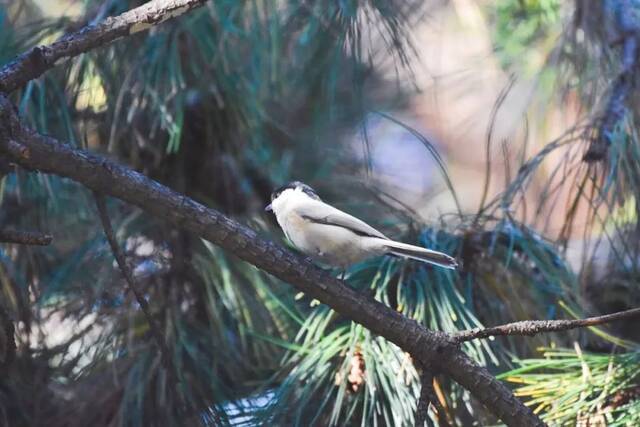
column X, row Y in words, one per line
column 501, row 132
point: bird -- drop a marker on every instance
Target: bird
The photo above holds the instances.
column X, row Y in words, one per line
column 335, row 238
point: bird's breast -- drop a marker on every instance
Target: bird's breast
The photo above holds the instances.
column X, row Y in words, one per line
column 329, row 244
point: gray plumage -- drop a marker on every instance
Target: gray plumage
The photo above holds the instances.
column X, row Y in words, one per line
column 334, row 237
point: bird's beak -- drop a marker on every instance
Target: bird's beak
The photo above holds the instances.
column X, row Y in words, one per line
column 268, row 208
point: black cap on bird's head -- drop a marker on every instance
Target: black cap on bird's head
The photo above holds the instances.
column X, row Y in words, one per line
column 293, row 185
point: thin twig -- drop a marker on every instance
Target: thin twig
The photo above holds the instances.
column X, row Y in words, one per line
column 532, row 327
column 128, row 275
column 25, row 237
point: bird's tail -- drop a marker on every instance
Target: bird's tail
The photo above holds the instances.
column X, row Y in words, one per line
column 421, row 254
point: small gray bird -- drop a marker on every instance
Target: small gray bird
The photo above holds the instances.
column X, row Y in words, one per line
column 334, row 237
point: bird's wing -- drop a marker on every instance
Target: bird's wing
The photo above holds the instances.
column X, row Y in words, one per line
column 322, row 213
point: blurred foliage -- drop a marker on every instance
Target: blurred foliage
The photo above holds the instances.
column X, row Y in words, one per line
column 523, row 29
column 238, row 96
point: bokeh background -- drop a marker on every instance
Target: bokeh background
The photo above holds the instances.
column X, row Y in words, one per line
column 461, row 125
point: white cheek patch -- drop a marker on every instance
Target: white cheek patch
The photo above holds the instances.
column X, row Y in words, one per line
column 283, row 198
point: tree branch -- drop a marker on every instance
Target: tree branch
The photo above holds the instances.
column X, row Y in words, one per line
column 25, row 237
column 532, row 327
column 428, row 397
column 31, row 150
column 425, row 399
column 33, row 63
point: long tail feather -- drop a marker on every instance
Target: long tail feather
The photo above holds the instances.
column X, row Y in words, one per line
column 421, row 254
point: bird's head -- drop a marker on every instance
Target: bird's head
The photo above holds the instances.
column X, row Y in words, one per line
column 293, row 189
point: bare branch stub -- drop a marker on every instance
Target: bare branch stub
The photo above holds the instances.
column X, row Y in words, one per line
column 25, row 237
column 36, row 61
column 533, row 327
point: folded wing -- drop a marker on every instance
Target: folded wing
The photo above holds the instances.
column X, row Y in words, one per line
column 322, row 213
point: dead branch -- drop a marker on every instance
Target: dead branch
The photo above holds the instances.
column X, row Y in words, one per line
column 532, row 327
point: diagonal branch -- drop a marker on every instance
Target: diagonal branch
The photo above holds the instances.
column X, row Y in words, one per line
column 35, row 62
column 25, row 237
column 127, row 273
column 532, row 327
column 31, row 150
column 144, row 305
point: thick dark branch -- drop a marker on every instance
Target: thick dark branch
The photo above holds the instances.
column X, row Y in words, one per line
column 532, row 327
column 25, row 237
column 33, row 151
column 39, row 59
